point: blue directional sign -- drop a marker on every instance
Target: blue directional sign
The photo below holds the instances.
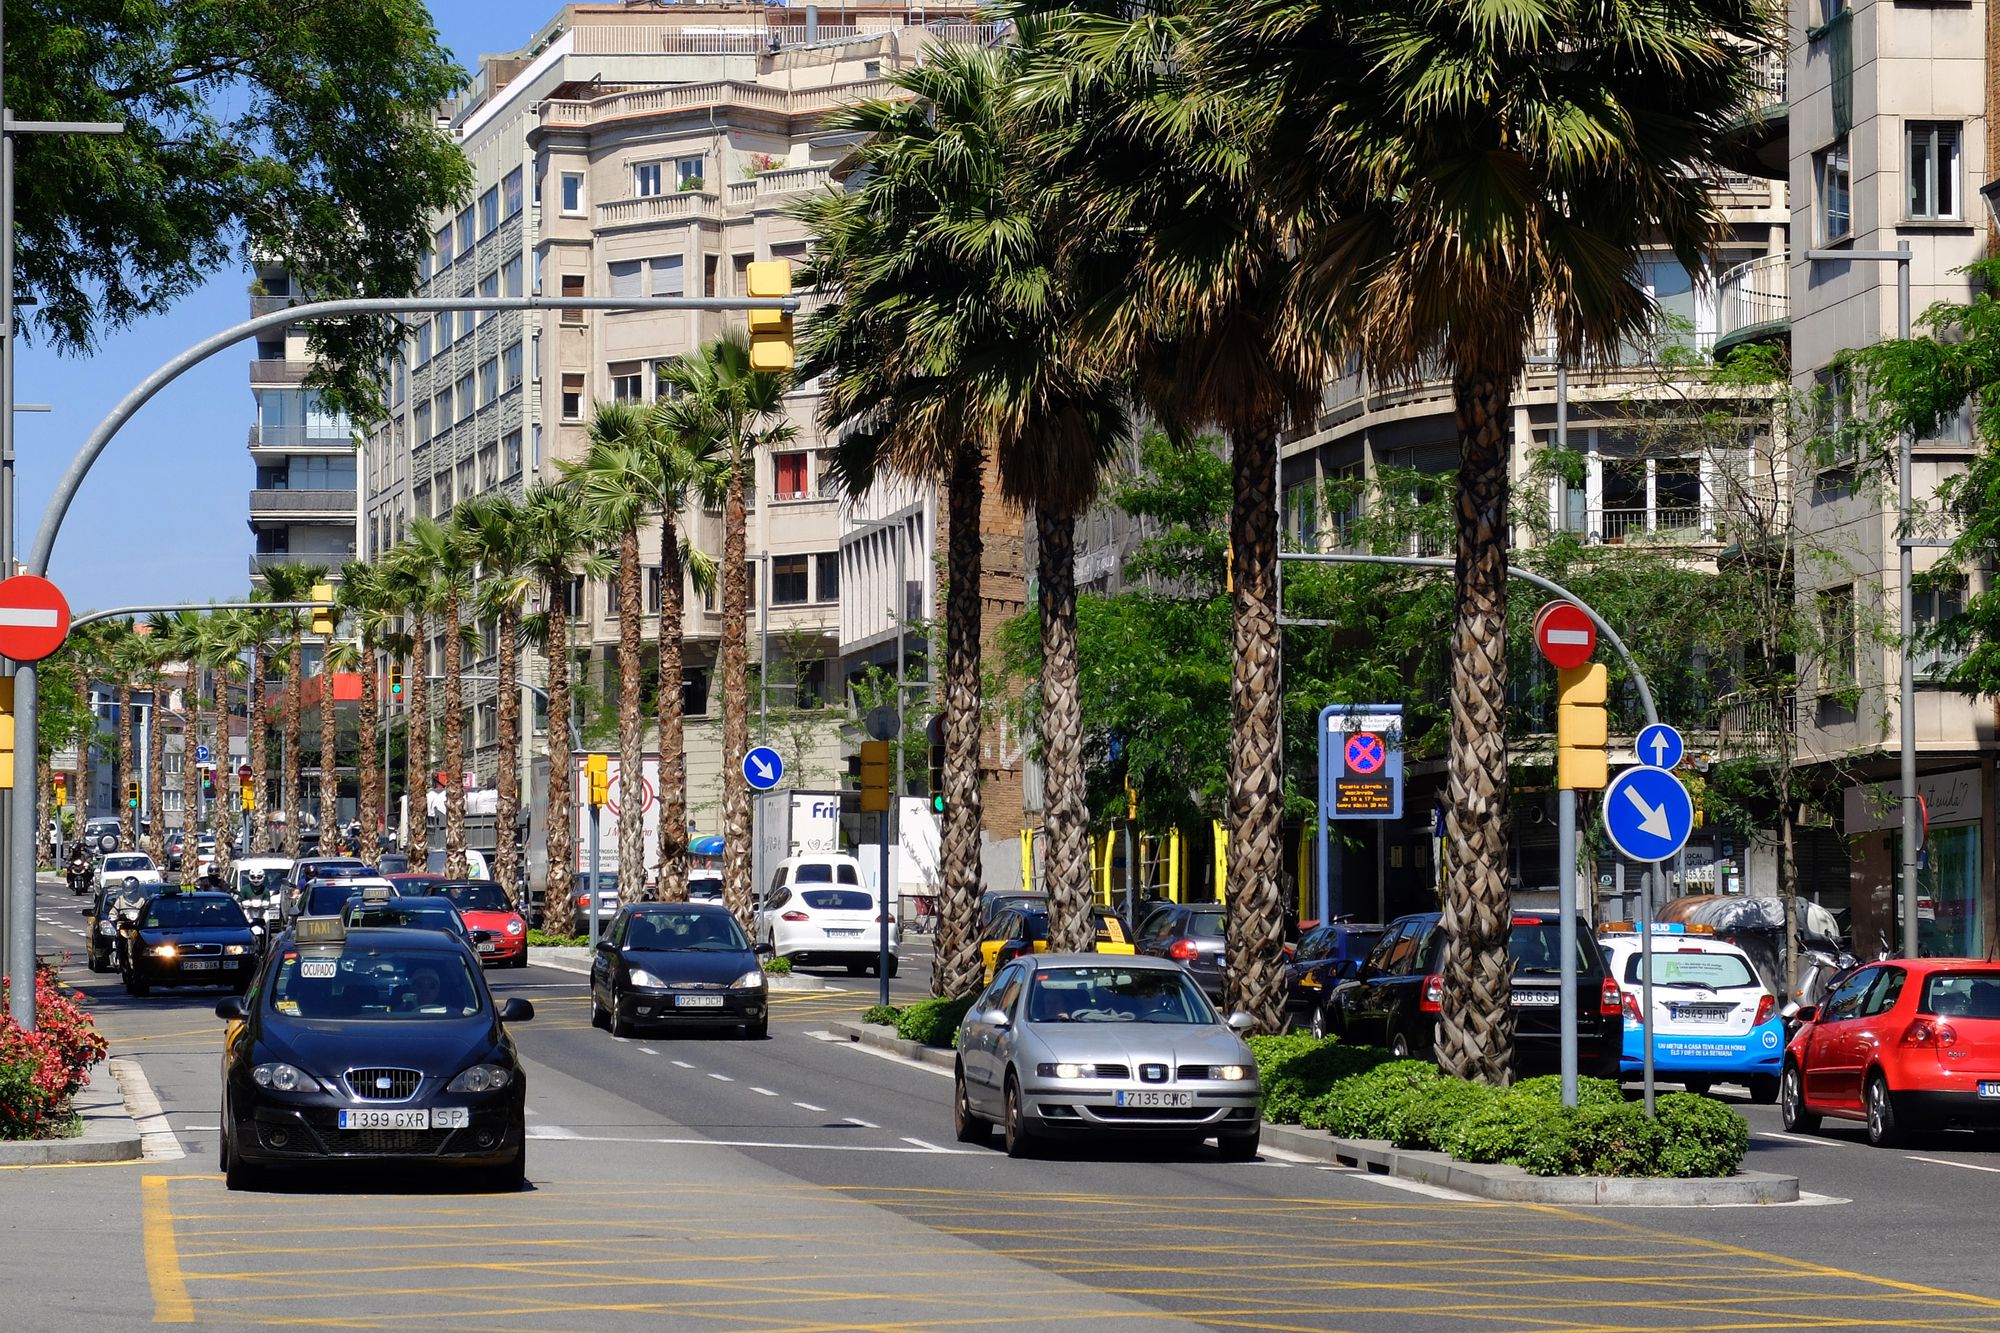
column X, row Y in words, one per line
column 762, row 768
column 201, row 754
column 1647, row 813
column 1660, row 746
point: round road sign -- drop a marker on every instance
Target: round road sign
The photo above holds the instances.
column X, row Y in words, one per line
column 1565, row 634
column 1365, row 753
column 34, row 618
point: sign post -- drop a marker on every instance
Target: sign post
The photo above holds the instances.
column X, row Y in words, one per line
column 1360, row 776
column 1567, row 638
column 1648, row 816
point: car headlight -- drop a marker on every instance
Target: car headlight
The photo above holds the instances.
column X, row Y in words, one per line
column 164, row 951
column 1231, row 1073
column 751, row 980
column 1067, row 1070
column 282, row 1077
column 641, row 977
column 514, row 927
column 107, row 927
column 482, row 1078
column 236, row 948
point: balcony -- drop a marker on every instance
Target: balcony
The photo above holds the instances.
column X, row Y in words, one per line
column 327, row 505
column 703, row 97
column 260, row 561
column 274, row 371
column 270, row 305
column 1617, row 527
column 296, row 440
column 781, row 182
column 1753, row 301
column 653, row 208
column 1760, row 142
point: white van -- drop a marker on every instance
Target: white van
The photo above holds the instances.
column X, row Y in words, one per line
column 259, row 883
column 820, row 910
column 475, row 864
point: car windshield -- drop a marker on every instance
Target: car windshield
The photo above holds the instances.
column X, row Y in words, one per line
column 341, row 870
column 360, row 982
column 205, row 912
column 261, row 883
column 128, row 863
column 326, row 898
column 1535, row 944
column 1962, row 994
column 839, row 900
column 404, row 912
column 1116, row 995
column 1716, row 971
column 692, row 932
column 475, row 896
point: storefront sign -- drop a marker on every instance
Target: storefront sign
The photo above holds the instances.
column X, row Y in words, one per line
column 1953, row 798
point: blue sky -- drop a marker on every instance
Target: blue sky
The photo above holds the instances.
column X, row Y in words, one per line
column 163, row 516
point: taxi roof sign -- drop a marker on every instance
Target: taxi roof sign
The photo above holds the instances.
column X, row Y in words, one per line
column 1659, row 928
column 320, row 930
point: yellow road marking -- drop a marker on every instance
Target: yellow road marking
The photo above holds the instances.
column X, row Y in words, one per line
column 163, row 1257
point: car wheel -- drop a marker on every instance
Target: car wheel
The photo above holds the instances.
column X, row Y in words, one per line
column 511, row 1178
column 1020, row 1139
column 134, row 986
column 857, row 969
column 1320, row 1027
column 966, row 1124
column 1792, row 1103
column 1237, row 1147
column 238, row 1174
column 598, row 1017
column 98, row 963
column 520, row 959
column 1883, row 1131
column 895, row 965
column 1763, row 1089
column 621, row 1026
column 759, row 1030
column 1399, row 1046
column 1698, row 1086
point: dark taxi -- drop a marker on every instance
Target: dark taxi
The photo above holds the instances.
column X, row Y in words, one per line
column 189, row 939
column 373, row 1042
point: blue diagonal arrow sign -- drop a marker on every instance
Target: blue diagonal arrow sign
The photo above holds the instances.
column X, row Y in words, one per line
column 1647, row 813
column 762, row 767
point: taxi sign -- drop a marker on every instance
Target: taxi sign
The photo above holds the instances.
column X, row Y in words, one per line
column 320, row 930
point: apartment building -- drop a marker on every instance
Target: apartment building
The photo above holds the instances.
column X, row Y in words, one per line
column 303, row 500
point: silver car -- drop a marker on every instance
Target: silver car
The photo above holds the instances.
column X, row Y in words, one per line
column 1065, row 1044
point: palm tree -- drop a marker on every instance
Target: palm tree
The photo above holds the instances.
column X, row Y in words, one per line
column 292, row 583
column 406, row 583
column 497, row 534
column 125, row 654
column 363, row 605
column 259, row 625
column 561, row 541
column 1466, row 187
column 85, row 650
column 228, row 634
column 442, row 549
column 610, row 482
column 186, row 638
column 745, row 410
column 153, row 677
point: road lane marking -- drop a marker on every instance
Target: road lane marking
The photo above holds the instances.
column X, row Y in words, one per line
column 1943, row 1161
column 856, row 1120
column 763, row 1092
column 894, row 1058
column 1797, row 1138
column 808, row 1106
column 722, row 1078
column 157, row 1142
column 925, row 1144
column 647, row 1050
column 932, row 1151
column 163, row 1255
column 551, row 1132
column 682, row 1064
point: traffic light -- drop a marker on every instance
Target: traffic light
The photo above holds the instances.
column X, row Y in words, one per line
column 597, row 772
column 62, row 789
column 208, row 785
column 874, row 777
column 395, row 682
column 936, row 730
column 1582, row 727
column 132, row 793
column 246, row 795
column 771, row 346
column 7, row 733
column 322, row 616
column 1131, row 801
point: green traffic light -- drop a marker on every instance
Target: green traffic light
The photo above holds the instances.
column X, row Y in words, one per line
column 937, row 804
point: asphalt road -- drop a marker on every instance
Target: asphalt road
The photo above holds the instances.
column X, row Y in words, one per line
column 807, row 1183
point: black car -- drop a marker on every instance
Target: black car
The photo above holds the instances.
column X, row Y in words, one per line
column 1394, row 1002
column 674, row 965
column 190, row 939
column 365, row 909
column 380, row 1043
column 1192, row 935
column 995, row 901
column 319, row 897
column 1323, row 958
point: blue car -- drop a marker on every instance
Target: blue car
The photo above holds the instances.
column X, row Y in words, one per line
column 1714, row 1020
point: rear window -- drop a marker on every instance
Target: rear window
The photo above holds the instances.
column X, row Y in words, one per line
column 128, row 863
column 838, row 900
column 824, row 874
column 475, row 896
column 326, row 899
column 1962, row 995
column 1205, row 923
column 1535, row 944
column 1718, row 971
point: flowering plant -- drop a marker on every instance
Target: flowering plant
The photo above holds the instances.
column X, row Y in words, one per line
column 41, row 1071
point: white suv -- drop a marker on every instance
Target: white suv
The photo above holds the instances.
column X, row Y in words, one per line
column 820, row 911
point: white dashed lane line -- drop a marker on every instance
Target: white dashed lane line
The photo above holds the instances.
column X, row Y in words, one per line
column 808, row 1106
column 682, row 1064
column 647, row 1050
column 763, row 1092
column 856, row 1120
column 722, row 1078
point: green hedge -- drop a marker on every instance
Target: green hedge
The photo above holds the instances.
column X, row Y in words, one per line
column 1296, row 1072
column 933, row 1022
column 885, row 1014
column 778, row 967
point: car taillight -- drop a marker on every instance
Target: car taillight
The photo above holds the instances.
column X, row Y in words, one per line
column 1432, row 1000
column 795, row 916
column 1611, row 1000
column 1765, row 1008
column 1631, row 1007
column 1184, row 950
column 1930, row 1032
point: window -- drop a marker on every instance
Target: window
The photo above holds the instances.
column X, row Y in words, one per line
column 424, row 262
column 1932, row 608
column 443, row 326
column 829, row 576
column 572, row 285
column 1835, row 189
column 467, row 320
column 648, row 179
column 489, row 380
column 510, row 368
column 510, row 193
column 1829, row 10
column 572, row 192
column 489, row 723
column 1934, row 169
column 399, row 382
column 423, row 355
column 654, row 579
column 535, row 447
column 510, row 450
column 572, row 397
column 788, row 476
column 510, row 277
column 441, row 408
column 694, row 691
column 709, row 266
column 489, row 470
column 1835, row 446
column 788, row 580
column 1838, row 664
column 489, row 211
column 442, row 487
column 741, row 266
column 627, row 384
column 689, row 174
column 467, row 487
column 626, row 276
column 488, row 286
column 613, row 602
column 664, row 276
column 465, row 400
column 465, row 232
column 420, row 422
column 444, row 247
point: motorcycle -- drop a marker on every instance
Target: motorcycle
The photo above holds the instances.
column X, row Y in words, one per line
column 78, row 873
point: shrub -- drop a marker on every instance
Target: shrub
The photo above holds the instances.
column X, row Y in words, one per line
column 41, row 1070
column 933, row 1022
column 886, row 1014
column 1365, row 1105
column 1426, row 1119
column 1504, row 1129
column 1296, row 1072
column 1589, row 1091
column 778, row 967
column 543, row 940
column 1703, row 1137
column 1596, row 1140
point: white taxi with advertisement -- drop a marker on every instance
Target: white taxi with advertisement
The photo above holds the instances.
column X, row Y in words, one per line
column 1714, row 1020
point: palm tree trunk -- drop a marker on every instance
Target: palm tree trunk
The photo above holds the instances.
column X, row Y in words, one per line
column 329, row 759
column 260, row 724
column 220, row 819
column 558, row 909
column 368, row 769
column 128, row 814
column 1475, row 1037
column 45, row 781
column 417, row 745
column 454, row 738
column 673, row 742
column 79, row 680
column 737, row 890
column 190, row 777
column 957, row 969
column 631, row 758
column 1066, row 809
column 156, row 780
column 507, row 773
column 294, row 726
column 1255, row 928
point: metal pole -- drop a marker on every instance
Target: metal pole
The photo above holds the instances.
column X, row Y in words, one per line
column 764, row 650
column 1325, row 867
column 1131, row 884
column 882, row 917
column 21, row 868
column 1566, row 934
column 593, row 878
column 1646, row 984
column 894, row 899
column 1906, row 615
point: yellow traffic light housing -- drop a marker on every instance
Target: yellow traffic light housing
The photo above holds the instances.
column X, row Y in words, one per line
column 597, row 774
column 62, row 789
column 396, row 682
column 1583, row 727
column 132, row 794
column 322, row 616
column 771, row 346
column 7, row 734
column 246, row 795
column 874, row 777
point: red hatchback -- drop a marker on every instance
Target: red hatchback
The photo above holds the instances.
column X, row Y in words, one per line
column 1901, row 1045
column 485, row 907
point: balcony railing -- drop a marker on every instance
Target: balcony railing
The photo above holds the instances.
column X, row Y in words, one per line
column 300, row 437
column 274, row 371
column 658, row 208
column 1753, row 297
column 1749, row 722
column 269, row 305
column 260, row 561
column 1768, row 76
column 777, row 182
column 1636, row 524
column 311, row 503
column 723, row 92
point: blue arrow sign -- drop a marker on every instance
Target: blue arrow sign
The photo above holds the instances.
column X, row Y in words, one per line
column 201, row 754
column 1660, row 746
column 762, row 768
column 1647, row 813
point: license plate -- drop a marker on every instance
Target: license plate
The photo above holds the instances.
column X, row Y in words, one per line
column 1537, row 999
column 697, row 1001
column 488, row 946
column 1989, row 1087
column 385, row 1119
column 1145, row 1097
column 833, row 934
column 202, row 965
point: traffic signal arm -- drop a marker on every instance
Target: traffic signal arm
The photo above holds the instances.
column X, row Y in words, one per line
column 1583, row 727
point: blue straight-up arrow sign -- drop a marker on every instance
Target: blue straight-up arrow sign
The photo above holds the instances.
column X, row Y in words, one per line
column 1660, row 746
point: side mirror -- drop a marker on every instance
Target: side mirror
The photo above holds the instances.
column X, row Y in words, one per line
column 1807, row 1013
column 606, row 946
column 1241, row 1022
column 231, row 1009
column 516, row 1010
column 996, row 1018
column 764, row 947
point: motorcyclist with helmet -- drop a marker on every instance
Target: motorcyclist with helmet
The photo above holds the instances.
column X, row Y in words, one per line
column 78, row 868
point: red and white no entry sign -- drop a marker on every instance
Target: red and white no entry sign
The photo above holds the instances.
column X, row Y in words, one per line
column 1564, row 634
column 34, row 618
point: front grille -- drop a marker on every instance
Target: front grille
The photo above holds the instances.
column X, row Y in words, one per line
column 199, row 950
column 1195, row 1072
column 368, row 1084
column 414, row 1142
column 1109, row 1071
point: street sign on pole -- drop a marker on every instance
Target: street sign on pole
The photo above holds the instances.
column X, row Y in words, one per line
column 763, row 767
column 1660, row 746
column 34, row 618
column 201, row 754
column 1648, row 813
column 1565, row 634
column 243, row 772
column 1360, row 775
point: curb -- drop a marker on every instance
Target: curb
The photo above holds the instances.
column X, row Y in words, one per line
column 109, row 1133
column 885, row 1039
column 564, row 958
column 1510, row 1184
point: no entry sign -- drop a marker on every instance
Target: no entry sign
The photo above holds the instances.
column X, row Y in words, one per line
column 34, row 618
column 1564, row 634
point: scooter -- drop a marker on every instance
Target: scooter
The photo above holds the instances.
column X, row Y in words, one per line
column 78, row 873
